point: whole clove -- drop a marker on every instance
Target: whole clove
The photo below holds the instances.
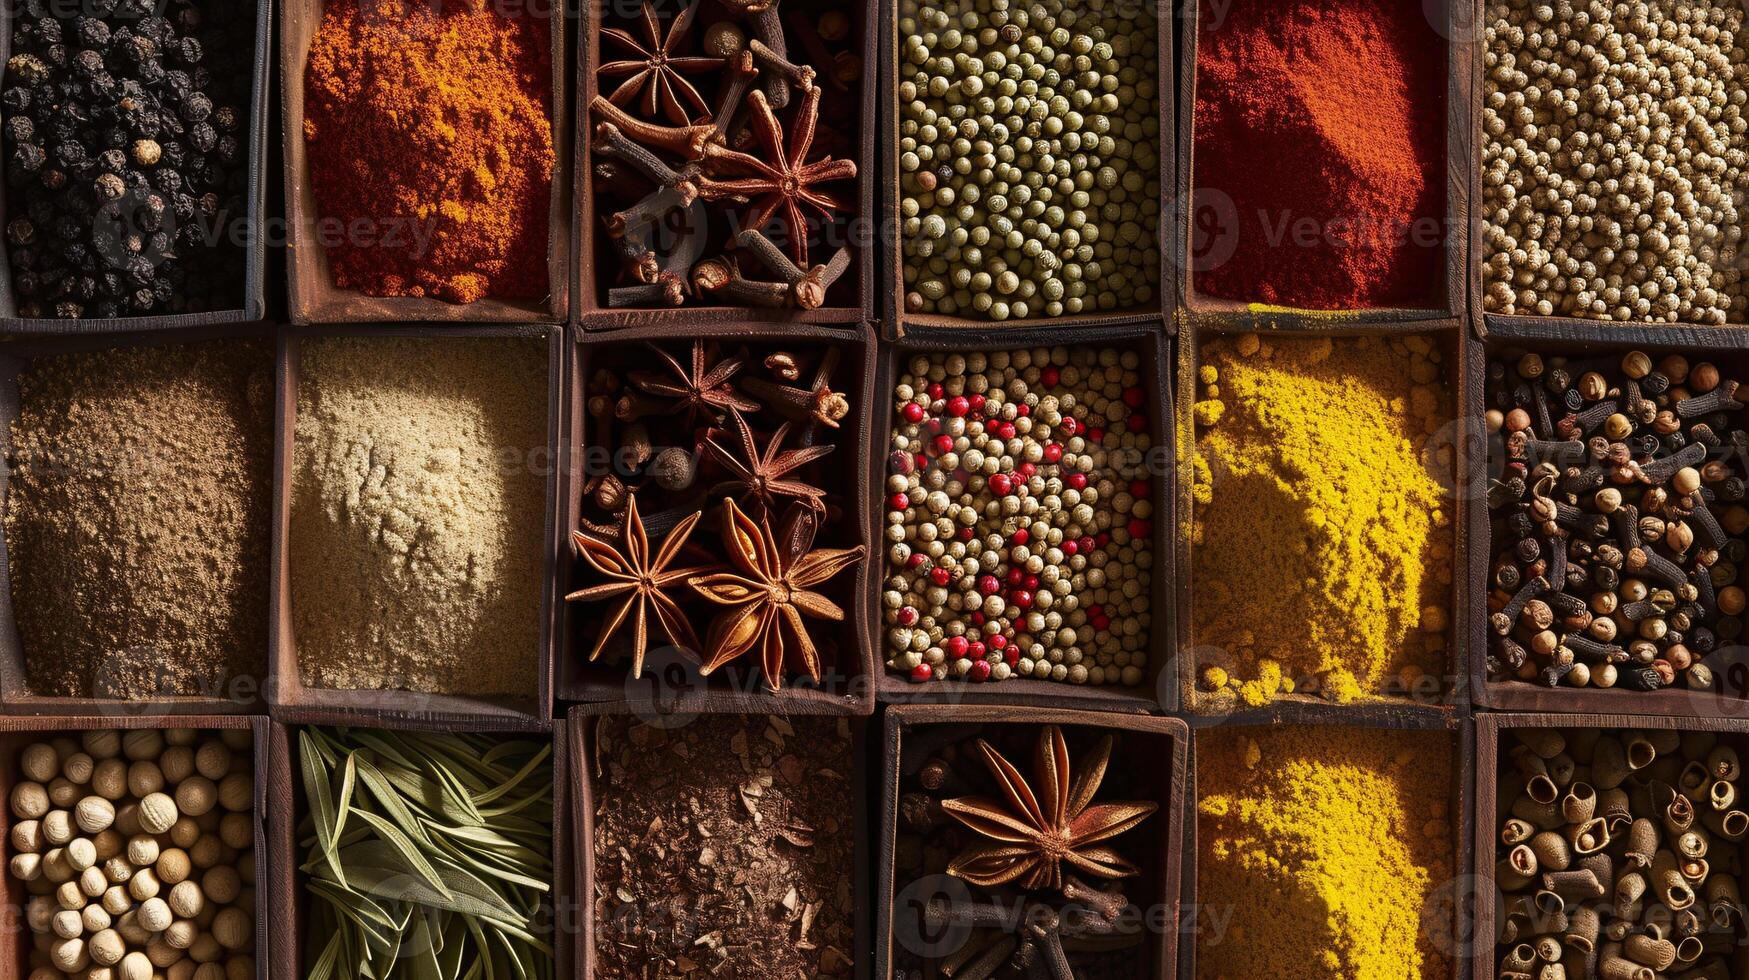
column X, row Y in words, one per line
column 1612, row 506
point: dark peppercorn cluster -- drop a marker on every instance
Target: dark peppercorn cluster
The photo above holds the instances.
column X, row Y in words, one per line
column 126, row 156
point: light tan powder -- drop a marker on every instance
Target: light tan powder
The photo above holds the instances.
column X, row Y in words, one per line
column 417, row 513
column 137, row 520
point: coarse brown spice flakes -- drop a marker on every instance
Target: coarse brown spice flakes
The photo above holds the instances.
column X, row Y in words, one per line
column 137, row 519
column 714, row 863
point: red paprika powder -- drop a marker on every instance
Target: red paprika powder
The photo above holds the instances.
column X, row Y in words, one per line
column 430, row 142
column 1323, row 123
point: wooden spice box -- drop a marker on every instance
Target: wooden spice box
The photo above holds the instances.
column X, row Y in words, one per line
column 311, row 294
column 239, row 695
column 16, row 733
column 1446, row 917
column 1726, row 346
column 896, row 322
column 1452, row 20
column 669, row 684
column 580, row 729
column 286, row 807
column 1161, row 690
column 1166, row 741
column 1492, row 734
column 291, row 701
column 1190, row 654
column 253, row 301
column 850, row 302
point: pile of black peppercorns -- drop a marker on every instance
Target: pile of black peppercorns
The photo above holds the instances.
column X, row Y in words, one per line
column 1618, row 504
column 127, row 155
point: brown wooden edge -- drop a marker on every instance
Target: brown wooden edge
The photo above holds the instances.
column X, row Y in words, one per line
column 311, row 296
column 14, row 943
column 580, row 724
column 285, row 802
column 1161, row 692
column 1457, row 892
column 897, row 323
column 1489, row 729
column 848, row 695
column 254, row 306
column 586, row 308
column 1205, row 312
column 1572, row 338
column 245, row 693
column 289, row 700
column 1455, row 686
column 1175, row 810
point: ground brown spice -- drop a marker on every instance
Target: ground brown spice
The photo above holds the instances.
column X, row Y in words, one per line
column 418, row 507
column 137, row 520
column 724, row 848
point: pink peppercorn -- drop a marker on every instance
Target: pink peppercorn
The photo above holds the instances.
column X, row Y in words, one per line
column 980, row 671
column 913, row 413
column 921, row 672
column 954, row 646
column 936, row 391
column 1095, row 434
column 899, row 501
column 940, row 576
column 1068, row 427
column 1070, row 547
column 1140, row 528
column 976, row 401
column 1020, row 537
column 1076, row 481
column 1053, row 453
column 998, row 641
column 943, row 444
column 989, row 585
column 1022, row 599
column 1139, row 488
column 1049, row 377
column 1138, row 422
column 907, row 616
column 1133, row 397
column 1001, row 485
column 958, row 406
column 1023, row 410
column 975, row 650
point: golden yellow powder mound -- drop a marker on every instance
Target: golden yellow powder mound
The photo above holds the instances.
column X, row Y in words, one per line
column 1321, row 542
column 1324, row 843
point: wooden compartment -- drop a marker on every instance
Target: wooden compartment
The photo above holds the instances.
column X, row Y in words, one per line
column 252, row 303
column 1726, row 346
column 312, row 297
column 1493, row 734
column 286, row 806
column 239, row 695
column 1160, row 690
column 1446, row 916
column 16, row 733
column 672, row 683
column 580, row 730
column 1452, row 691
column 1451, row 300
column 293, row 702
column 849, row 302
column 896, row 322
column 911, row 732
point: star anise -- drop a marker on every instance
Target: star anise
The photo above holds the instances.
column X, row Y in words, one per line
column 705, row 391
column 758, row 477
column 779, row 179
column 657, row 71
column 1035, row 833
column 769, row 593
column 642, row 580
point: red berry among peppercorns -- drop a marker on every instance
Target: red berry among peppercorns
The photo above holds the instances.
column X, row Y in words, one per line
column 1139, row 488
column 1020, row 537
column 1140, row 528
column 1068, row 426
column 1053, row 453
column 907, row 616
column 943, row 444
column 1138, row 423
column 914, row 413
column 1076, row 481
column 921, row 672
column 954, row 646
column 1133, row 397
column 958, row 406
column 1049, row 377
column 899, row 501
column 1001, row 484
column 989, row 585
column 940, row 576
column 980, row 671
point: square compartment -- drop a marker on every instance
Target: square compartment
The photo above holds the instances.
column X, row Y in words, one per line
column 312, row 297
column 848, row 303
column 252, row 301
column 672, row 682
column 1447, row 310
column 1161, row 747
column 286, row 807
column 1160, row 688
column 1311, row 708
column 896, row 322
column 16, row 733
column 241, row 695
column 581, row 731
column 294, row 702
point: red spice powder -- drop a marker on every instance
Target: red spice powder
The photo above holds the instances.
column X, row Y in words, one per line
column 431, row 149
column 1324, row 124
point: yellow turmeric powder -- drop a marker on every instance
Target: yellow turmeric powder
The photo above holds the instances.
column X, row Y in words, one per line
column 431, row 148
column 1324, row 844
column 1322, row 554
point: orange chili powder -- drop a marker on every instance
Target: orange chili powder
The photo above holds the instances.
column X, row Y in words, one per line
column 431, row 148
column 1323, row 123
